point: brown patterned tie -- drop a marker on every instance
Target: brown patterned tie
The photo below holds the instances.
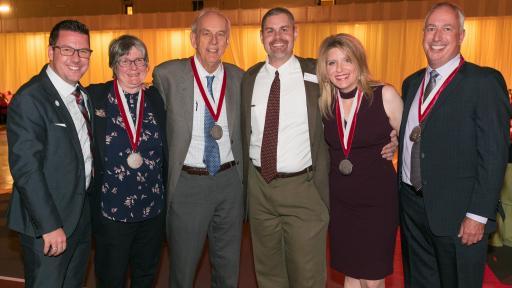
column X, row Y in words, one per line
column 269, row 142
column 415, row 173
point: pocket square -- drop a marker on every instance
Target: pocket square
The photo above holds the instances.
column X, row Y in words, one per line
column 100, row 113
column 60, row 124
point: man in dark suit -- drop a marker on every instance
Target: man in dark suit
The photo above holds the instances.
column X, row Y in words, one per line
column 454, row 147
column 50, row 160
column 204, row 183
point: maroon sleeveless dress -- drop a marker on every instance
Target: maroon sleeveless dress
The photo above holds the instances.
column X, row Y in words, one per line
column 364, row 205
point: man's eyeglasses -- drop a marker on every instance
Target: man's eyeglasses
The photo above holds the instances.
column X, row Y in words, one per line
column 68, row 51
column 139, row 62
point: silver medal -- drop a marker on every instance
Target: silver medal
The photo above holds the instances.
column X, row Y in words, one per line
column 346, row 167
column 415, row 135
column 134, row 160
column 216, row 132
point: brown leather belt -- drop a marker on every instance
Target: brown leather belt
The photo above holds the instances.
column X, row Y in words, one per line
column 418, row 193
column 288, row 175
column 203, row 171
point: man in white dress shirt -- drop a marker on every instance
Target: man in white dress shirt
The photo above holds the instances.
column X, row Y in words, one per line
column 204, row 185
column 286, row 161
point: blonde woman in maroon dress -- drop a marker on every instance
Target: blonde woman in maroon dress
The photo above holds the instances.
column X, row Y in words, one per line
column 359, row 115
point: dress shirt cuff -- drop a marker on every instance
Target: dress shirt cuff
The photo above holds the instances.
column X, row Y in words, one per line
column 480, row 219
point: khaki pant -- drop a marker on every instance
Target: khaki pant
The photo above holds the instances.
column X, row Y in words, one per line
column 503, row 235
column 288, row 223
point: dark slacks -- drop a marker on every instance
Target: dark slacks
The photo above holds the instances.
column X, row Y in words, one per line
column 206, row 206
column 120, row 245
column 65, row 270
column 288, row 222
column 432, row 261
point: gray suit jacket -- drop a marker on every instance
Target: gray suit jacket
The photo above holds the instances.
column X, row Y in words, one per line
column 319, row 152
column 46, row 161
column 175, row 82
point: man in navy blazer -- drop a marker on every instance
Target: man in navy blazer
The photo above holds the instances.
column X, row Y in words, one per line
column 453, row 152
column 50, row 160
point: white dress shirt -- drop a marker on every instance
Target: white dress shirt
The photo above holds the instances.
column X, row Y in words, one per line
column 65, row 89
column 195, row 152
column 412, row 120
column 293, row 144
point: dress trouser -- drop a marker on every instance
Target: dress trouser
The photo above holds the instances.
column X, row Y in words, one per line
column 65, row 270
column 432, row 261
column 288, row 223
column 120, row 245
column 205, row 206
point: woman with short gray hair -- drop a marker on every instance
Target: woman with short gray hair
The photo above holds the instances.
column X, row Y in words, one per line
column 129, row 164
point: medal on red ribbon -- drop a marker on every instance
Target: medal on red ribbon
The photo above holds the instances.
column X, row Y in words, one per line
column 424, row 107
column 216, row 131
column 134, row 159
column 346, row 165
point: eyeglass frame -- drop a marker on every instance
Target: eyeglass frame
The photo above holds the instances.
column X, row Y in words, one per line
column 128, row 63
column 74, row 51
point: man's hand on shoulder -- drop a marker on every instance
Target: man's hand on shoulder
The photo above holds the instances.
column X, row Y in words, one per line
column 54, row 242
column 471, row 231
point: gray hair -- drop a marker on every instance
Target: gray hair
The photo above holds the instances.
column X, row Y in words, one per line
column 122, row 46
column 209, row 11
column 450, row 5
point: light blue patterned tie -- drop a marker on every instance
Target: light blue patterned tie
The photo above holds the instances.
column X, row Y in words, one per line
column 211, row 148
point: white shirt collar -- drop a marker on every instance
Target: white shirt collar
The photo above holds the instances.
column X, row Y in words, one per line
column 447, row 68
column 63, row 87
column 203, row 73
column 287, row 67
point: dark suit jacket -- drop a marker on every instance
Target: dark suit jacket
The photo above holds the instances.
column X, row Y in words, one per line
column 464, row 147
column 46, row 161
column 99, row 97
column 319, row 153
column 175, row 82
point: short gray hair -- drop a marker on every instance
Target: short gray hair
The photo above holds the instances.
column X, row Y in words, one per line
column 122, row 46
column 450, row 5
column 208, row 11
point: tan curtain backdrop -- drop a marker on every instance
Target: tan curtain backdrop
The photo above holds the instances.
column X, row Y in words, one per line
column 393, row 47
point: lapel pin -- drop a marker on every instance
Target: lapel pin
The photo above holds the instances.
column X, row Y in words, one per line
column 100, row 113
column 57, row 103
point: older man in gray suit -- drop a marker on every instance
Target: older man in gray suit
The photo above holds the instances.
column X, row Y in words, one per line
column 205, row 195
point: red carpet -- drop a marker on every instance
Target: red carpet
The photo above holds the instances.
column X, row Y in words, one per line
column 335, row 279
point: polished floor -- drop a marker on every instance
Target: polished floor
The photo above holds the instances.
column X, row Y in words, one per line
column 11, row 266
column 5, row 176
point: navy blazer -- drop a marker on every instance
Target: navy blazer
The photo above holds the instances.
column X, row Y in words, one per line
column 46, row 161
column 464, row 147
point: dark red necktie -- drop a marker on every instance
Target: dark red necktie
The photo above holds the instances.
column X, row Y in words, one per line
column 81, row 106
column 269, row 142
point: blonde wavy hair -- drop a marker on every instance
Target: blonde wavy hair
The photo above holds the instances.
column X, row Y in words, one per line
column 355, row 51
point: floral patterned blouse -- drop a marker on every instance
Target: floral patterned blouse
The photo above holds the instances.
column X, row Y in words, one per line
column 132, row 195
